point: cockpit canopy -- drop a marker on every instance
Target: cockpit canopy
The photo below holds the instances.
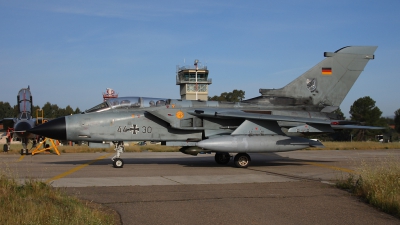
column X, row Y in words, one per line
column 128, row 103
column 24, row 115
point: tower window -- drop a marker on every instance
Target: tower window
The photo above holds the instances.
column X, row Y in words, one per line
column 192, row 87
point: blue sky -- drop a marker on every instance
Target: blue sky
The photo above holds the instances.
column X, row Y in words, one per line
column 69, row 52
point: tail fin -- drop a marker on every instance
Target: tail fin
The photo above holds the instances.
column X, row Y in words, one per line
column 328, row 82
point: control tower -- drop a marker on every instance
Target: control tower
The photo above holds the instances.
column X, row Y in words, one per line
column 110, row 93
column 193, row 81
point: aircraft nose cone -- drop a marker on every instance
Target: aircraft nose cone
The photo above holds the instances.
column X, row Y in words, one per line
column 21, row 128
column 55, row 129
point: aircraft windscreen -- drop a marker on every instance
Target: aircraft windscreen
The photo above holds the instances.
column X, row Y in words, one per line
column 98, row 108
column 127, row 103
column 24, row 115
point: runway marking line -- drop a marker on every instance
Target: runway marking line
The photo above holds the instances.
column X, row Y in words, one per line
column 21, row 158
column 73, row 170
column 331, row 167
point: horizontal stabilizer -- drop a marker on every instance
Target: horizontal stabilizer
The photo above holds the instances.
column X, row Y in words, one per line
column 317, row 144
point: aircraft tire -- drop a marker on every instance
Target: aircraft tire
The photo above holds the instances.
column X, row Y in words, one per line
column 222, row 158
column 22, row 152
column 118, row 163
column 5, row 148
column 242, row 160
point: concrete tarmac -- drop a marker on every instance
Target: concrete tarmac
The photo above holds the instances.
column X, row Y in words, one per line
column 173, row 188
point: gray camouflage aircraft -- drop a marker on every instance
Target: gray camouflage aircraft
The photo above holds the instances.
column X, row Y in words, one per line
column 278, row 120
column 17, row 127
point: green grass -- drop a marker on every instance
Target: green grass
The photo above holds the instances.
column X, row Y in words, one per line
column 35, row 202
column 357, row 145
column 378, row 183
column 130, row 148
column 15, row 148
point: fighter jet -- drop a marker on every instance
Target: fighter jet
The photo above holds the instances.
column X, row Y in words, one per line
column 24, row 121
column 277, row 120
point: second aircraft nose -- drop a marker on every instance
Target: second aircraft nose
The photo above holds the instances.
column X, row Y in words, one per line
column 55, row 129
column 21, row 128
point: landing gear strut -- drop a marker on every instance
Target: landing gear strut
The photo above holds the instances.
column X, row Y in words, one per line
column 24, row 150
column 119, row 148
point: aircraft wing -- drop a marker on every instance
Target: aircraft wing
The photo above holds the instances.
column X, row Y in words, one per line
column 7, row 123
column 307, row 125
column 254, row 116
column 266, row 123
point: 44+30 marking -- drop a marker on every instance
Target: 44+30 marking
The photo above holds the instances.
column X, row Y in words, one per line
column 135, row 129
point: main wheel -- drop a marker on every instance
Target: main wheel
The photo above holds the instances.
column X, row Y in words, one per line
column 242, row 160
column 118, row 163
column 222, row 158
column 5, row 148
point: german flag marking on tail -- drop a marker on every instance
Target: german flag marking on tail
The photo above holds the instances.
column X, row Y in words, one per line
column 326, row 71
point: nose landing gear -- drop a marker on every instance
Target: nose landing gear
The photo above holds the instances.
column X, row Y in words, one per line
column 119, row 148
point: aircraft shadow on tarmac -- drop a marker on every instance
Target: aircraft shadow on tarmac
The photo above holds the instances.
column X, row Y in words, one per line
column 258, row 160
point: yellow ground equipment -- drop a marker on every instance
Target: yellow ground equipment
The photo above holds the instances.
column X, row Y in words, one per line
column 47, row 146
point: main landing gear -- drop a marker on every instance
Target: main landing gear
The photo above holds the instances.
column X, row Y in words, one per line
column 119, row 148
column 241, row 160
column 6, row 148
column 222, row 158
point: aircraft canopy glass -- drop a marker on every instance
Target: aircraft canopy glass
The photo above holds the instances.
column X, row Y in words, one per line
column 127, row 103
column 24, row 100
column 153, row 102
column 98, row 108
column 124, row 103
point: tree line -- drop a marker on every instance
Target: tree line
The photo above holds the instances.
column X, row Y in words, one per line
column 49, row 110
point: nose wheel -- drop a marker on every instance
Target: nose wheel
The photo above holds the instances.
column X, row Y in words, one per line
column 118, row 163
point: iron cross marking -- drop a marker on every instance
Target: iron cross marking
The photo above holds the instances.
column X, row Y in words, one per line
column 134, row 128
